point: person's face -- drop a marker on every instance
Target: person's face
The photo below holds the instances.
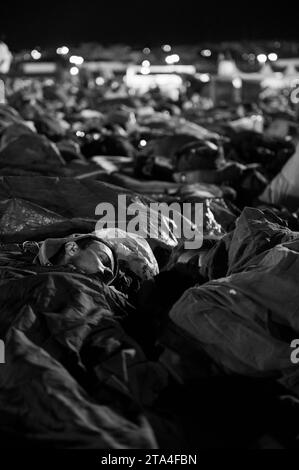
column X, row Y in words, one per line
column 97, row 258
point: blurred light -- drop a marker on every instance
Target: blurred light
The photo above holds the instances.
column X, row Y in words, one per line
column 237, row 83
column 262, row 58
column 96, row 136
column 74, row 71
column 227, row 68
column 166, row 48
column 279, row 75
column 145, row 70
column 80, row 134
column 36, row 55
column 146, row 63
column 49, row 82
column 100, row 81
column 172, row 59
column 76, row 59
column 64, row 50
column 143, row 143
column 206, row 53
column 295, row 96
column 251, row 57
column 273, row 57
column 204, row 77
column 146, row 51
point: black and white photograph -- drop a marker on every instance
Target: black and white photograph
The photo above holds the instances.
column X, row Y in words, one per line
column 149, row 230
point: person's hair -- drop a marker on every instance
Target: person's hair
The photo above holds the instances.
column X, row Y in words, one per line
column 82, row 243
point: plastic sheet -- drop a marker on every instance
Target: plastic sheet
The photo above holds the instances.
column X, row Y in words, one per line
column 245, row 322
column 134, row 250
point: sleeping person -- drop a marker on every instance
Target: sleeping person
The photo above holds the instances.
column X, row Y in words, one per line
column 84, row 253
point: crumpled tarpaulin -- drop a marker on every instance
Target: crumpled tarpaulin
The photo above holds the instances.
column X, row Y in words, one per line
column 31, row 151
column 256, row 232
column 21, row 220
column 283, row 189
column 73, row 377
column 13, row 132
column 245, row 322
column 8, row 116
column 78, row 199
column 177, row 125
column 132, row 249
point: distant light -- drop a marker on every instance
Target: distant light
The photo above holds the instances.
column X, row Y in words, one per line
column 36, row 55
column 166, row 48
column 172, row 59
column 206, row 53
column 76, row 59
column 146, row 51
column 100, row 81
column 96, row 136
column 143, row 143
column 145, row 70
column 64, row 50
column 295, row 96
column 80, row 134
column 262, row 58
column 273, row 57
column 237, row 83
column 251, row 57
column 74, row 71
column 227, row 68
column 204, row 77
column 146, row 63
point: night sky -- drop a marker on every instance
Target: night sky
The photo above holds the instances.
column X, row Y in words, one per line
column 52, row 23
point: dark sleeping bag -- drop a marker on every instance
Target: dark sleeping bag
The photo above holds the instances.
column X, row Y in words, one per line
column 73, row 377
column 246, row 316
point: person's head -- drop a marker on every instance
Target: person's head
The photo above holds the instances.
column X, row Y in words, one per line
column 86, row 253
